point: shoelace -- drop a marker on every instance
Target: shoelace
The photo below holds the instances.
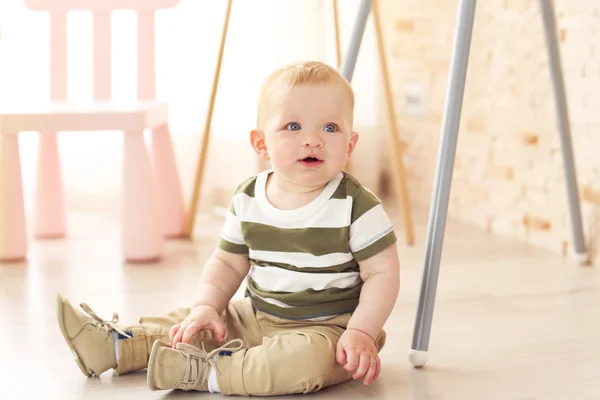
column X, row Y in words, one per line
column 104, row 324
column 194, row 356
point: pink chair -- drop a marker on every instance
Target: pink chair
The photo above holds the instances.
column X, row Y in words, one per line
column 152, row 197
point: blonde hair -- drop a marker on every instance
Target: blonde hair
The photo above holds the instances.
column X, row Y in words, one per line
column 297, row 74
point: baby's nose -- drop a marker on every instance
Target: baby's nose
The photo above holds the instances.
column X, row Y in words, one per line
column 313, row 140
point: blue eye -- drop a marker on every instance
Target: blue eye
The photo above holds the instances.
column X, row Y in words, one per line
column 330, row 128
column 294, row 126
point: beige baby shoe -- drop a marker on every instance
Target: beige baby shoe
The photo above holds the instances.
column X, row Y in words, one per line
column 89, row 337
column 186, row 367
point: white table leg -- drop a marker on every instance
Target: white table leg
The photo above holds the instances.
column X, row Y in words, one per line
column 142, row 231
column 49, row 217
column 13, row 233
column 169, row 186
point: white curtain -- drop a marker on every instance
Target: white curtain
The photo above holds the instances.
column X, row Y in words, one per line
column 262, row 35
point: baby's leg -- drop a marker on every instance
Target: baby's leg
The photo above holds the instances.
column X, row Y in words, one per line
column 99, row 345
column 133, row 352
column 238, row 318
column 296, row 358
column 298, row 361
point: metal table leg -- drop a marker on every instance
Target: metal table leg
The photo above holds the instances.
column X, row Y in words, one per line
column 443, row 178
column 562, row 115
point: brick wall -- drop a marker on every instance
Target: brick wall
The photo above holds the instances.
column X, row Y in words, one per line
column 508, row 175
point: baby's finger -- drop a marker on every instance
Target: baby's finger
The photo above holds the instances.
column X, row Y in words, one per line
column 378, row 368
column 340, row 354
column 173, row 331
column 219, row 329
column 179, row 334
column 190, row 331
column 372, row 370
column 352, row 358
column 363, row 366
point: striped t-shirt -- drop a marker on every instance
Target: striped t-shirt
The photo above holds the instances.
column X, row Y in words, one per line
column 304, row 262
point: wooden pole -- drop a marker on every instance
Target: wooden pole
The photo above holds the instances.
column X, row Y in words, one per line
column 336, row 28
column 189, row 228
column 338, row 54
column 398, row 166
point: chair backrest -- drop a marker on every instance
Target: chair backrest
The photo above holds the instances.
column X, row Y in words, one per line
column 101, row 13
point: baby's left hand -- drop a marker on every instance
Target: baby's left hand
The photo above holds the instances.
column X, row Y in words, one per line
column 356, row 349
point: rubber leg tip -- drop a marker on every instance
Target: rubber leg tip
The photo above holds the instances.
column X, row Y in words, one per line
column 418, row 358
column 583, row 259
column 580, row 258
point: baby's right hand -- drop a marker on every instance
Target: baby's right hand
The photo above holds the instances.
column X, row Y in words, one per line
column 200, row 318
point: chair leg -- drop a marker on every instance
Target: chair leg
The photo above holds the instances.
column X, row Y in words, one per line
column 142, row 234
column 169, row 185
column 49, row 214
column 398, row 167
column 13, row 234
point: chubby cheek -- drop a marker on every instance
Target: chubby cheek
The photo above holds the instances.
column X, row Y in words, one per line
column 337, row 152
column 282, row 153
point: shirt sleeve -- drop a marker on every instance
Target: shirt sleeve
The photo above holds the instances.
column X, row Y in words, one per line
column 371, row 230
column 231, row 237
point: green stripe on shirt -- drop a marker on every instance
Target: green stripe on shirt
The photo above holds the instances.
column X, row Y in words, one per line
column 315, row 241
column 350, row 266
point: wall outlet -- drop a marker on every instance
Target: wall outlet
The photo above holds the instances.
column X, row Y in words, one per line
column 414, row 98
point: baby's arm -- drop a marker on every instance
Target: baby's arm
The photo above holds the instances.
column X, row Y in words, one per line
column 381, row 276
column 223, row 274
column 229, row 264
column 221, row 277
column 356, row 350
column 373, row 243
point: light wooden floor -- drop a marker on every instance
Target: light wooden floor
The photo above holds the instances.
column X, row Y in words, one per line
column 511, row 321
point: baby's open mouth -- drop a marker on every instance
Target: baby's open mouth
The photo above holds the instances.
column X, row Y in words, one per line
column 310, row 161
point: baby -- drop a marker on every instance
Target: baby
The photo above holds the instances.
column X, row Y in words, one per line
column 317, row 251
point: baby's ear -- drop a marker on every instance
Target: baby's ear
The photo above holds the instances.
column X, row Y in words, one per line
column 257, row 140
column 352, row 143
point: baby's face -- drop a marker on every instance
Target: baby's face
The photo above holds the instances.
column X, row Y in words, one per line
column 308, row 132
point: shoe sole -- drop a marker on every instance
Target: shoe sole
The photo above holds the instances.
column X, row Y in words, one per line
column 150, row 367
column 63, row 329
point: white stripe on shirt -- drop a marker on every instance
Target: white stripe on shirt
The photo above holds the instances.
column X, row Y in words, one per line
column 369, row 227
column 334, row 214
column 232, row 229
column 301, row 260
column 276, row 279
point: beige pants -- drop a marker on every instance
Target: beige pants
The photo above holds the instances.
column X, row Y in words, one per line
column 279, row 356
